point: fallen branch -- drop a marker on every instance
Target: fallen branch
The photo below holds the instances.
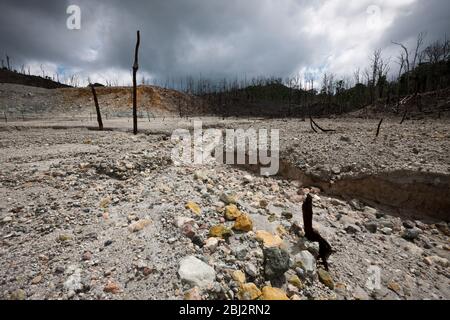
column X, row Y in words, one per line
column 325, row 249
column 321, row 129
column 379, row 126
column 312, row 126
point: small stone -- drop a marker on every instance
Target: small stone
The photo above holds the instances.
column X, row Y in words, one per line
column 306, row 261
column 232, row 212
column 269, row 240
column 220, row 231
column 431, row 260
column 139, row 225
column 408, row 224
column 411, row 234
column 371, row 226
column 196, row 272
column 87, row 255
column 188, row 230
column 18, row 294
column 200, row 175
column 7, row 219
column 325, row 278
column 269, row 293
column 263, row 203
column 238, row 276
column 352, row 229
column 181, row 221
column 64, row 238
column 251, row 270
column 193, row 294
column 360, row 294
column 386, row 231
column 295, row 281
column 108, row 243
column 228, row 197
column 36, row 279
column 276, row 262
column 248, row 291
column 394, row 286
column 111, row 287
column 243, row 223
column 211, row 244
column 105, row 202
column 194, row 207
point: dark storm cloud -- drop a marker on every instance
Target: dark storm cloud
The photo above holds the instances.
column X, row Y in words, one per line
column 211, row 37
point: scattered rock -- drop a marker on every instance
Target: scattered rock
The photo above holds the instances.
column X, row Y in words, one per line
column 232, row 212
column 269, row 240
column 431, row 260
column 220, row 231
column 228, row 197
column 295, row 281
column 276, row 262
column 325, row 278
column 139, row 225
column 211, row 244
column 193, row 294
column 371, row 226
column 238, row 276
column 269, row 293
column 411, row 234
column 111, row 287
column 306, row 261
column 243, row 223
column 248, row 291
column 194, row 207
column 196, row 272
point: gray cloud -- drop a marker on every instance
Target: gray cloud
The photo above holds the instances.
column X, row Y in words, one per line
column 215, row 38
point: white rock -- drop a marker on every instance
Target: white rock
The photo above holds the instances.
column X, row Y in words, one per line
column 181, row 221
column 211, row 244
column 196, row 272
column 305, row 260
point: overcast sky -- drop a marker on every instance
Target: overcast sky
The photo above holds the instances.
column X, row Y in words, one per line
column 215, row 38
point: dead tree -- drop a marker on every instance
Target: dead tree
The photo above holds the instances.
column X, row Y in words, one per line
column 135, row 69
column 97, row 108
column 325, row 249
column 379, row 127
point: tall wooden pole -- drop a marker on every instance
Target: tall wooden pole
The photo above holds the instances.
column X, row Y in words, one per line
column 97, row 108
column 135, row 69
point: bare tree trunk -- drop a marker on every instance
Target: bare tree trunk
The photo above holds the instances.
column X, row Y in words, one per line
column 135, row 69
column 97, row 108
column 325, row 249
column 379, row 127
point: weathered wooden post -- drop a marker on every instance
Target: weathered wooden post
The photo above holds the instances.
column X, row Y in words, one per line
column 97, row 108
column 135, row 69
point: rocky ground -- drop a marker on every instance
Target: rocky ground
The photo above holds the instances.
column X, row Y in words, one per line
column 106, row 215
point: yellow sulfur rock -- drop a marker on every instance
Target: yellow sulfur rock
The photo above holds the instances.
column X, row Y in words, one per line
column 232, row 212
column 269, row 293
column 248, row 291
column 269, row 240
column 238, row 276
column 219, row 231
column 195, row 208
column 243, row 223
